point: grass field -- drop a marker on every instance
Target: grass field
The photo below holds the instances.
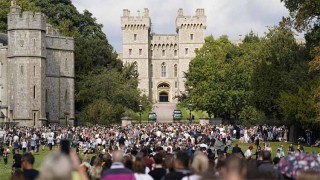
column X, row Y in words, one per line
column 5, row 173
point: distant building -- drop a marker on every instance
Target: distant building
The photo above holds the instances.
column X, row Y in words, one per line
column 161, row 59
column 36, row 72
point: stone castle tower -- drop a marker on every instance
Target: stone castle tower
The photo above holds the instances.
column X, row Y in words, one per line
column 161, row 59
column 37, row 72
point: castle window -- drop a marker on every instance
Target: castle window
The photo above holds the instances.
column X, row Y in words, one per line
column 151, row 70
column 34, row 71
column 21, row 70
column 130, row 52
column 163, row 70
column 135, row 68
column 34, row 92
column 46, row 95
column 66, row 97
column 176, row 84
column 186, row 51
column 140, row 52
column 66, row 64
column 163, row 52
column 175, row 70
column 175, row 52
column 135, row 37
column 191, row 36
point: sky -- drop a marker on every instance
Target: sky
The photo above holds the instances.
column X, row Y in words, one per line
column 234, row 18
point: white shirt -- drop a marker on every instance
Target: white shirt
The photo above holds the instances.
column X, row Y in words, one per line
column 247, row 153
column 140, row 176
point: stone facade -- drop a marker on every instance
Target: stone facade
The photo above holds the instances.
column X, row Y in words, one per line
column 37, row 72
column 161, row 59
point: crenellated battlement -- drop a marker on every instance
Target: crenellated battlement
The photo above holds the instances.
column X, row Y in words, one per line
column 164, row 41
column 51, row 31
column 26, row 20
column 199, row 21
column 60, row 43
column 139, row 22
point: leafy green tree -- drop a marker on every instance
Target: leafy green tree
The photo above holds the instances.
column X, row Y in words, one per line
column 218, row 80
column 282, row 68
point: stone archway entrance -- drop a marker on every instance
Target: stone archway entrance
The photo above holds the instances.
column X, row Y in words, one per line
column 163, row 97
column 163, row 92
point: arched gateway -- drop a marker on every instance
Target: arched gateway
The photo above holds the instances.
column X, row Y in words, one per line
column 163, row 92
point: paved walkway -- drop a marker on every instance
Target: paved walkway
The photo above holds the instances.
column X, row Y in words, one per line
column 164, row 111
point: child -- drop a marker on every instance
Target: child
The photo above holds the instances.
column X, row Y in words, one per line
column 5, row 158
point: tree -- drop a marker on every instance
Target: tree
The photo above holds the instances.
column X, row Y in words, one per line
column 218, row 80
column 282, row 68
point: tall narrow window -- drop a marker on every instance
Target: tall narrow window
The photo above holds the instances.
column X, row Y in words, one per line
column 163, row 52
column 135, row 68
column 46, row 95
column 34, row 92
column 191, row 36
column 34, row 119
column 176, row 84
column 34, row 71
column 140, row 52
column 175, row 52
column 130, row 52
column 66, row 64
column 151, row 70
column 151, row 84
column 21, row 70
column 135, row 37
column 66, row 97
column 163, row 70
column 175, row 70
column 186, row 51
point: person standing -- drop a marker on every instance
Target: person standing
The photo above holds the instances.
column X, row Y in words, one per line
column 158, row 171
column 24, row 145
column 5, row 156
column 117, row 170
column 27, row 166
column 50, row 142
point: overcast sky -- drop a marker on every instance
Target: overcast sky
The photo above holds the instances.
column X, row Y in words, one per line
column 224, row 17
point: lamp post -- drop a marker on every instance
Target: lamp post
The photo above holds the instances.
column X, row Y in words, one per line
column 190, row 109
column 140, row 110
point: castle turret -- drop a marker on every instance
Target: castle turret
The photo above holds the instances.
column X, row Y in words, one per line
column 135, row 39
column 191, row 32
column 26, row 62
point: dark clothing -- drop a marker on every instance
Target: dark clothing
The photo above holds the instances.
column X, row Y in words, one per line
column 17, row 160
column 266, row 167
column 236, row 150
column 30, row 174
column 178, row 174
column 157, row 173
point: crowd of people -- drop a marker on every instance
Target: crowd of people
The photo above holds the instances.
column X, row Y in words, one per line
column 154, row 151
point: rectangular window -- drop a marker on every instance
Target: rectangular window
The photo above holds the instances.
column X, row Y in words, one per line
column 186, row 51
column 175, row 52
column 135, row 37
column 140, row 52
column 21, row 70
column 163, row 52
column 151, row 84
column 46, row 95
column 191, row 36
column 130, row 52
column 175, row 84
column 34, row 92
column 34, row 71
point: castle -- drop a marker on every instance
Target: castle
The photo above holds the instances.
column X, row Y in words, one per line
column 36, row 72
column 161, row 59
